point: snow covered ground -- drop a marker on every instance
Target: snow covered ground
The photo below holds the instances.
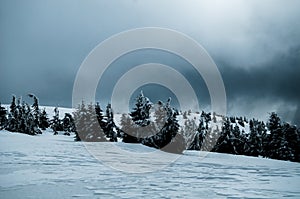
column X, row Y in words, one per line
column 48, row 166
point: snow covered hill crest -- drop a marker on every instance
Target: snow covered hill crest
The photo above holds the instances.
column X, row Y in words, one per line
column 159, row 126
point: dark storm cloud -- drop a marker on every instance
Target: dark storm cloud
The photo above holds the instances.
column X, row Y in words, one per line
column 278, row 78
column 276, row 82
column 254, row 43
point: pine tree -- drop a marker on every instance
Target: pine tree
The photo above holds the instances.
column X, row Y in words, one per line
column 44, row 121
column 172, row 141
column 128, row 129
column 160, row 115
column 30, row 124
column 275, row 138
column 13, row 114
column 3, row 117
column 10, row 122
column 199, row 134
column 68, row 124
column 289, row 141
column 237, row 141
column 22, row 119
column 207, row 118
column 88, row 127
column 168, row 138
column 36, row 109
column 141, row 112
column 94, row 132
column 79, row 118
column 205, row 136
column 110, row 126
column 25, row 119
column 100, row 116
column 19, row 116
column 254, row 141
column 56, row 122
column 224, row 142
column 13, row 105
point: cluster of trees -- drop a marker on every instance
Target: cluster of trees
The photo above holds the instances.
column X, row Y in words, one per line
column 22, row 117
column 274, row 139
column 67, row 124
column 156, row 125
column 30, row 119
column 93, row 125
column 161, row 132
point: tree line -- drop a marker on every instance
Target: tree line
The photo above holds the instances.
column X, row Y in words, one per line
column 156, row 125
column 30, row 119
column 273, row 139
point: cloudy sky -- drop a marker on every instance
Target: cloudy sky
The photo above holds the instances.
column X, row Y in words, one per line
column 255, row 45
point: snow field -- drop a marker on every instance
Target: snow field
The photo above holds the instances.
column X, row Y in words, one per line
column 47, row 166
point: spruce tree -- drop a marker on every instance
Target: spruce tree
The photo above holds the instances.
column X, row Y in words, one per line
column 224, row 143
column 31, row 125
column 172, row 141
column 167, row 139
column 56, row 122
column 141, row 112
column 128, row 129
column 25, row 113
column 110, row 126
column 198, row 134
column 276, row 135
column 22, row 119
column 68, row 124
column 100, row 116
column 80, row 120
column 255, row 141
column 36, row 109
column 236, row 141
column 19, row 116
column 3, row 117
column 13, row 114
column 288, row 145
column 13, row 105
column 44, row 121
column 160, row 115
column 92, row 127
column 207, row 118
column 89, row 122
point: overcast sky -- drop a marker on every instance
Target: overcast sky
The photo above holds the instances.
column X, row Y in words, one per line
column 255, row 44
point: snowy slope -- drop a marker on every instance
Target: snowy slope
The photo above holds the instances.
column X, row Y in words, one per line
column 48, row 166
